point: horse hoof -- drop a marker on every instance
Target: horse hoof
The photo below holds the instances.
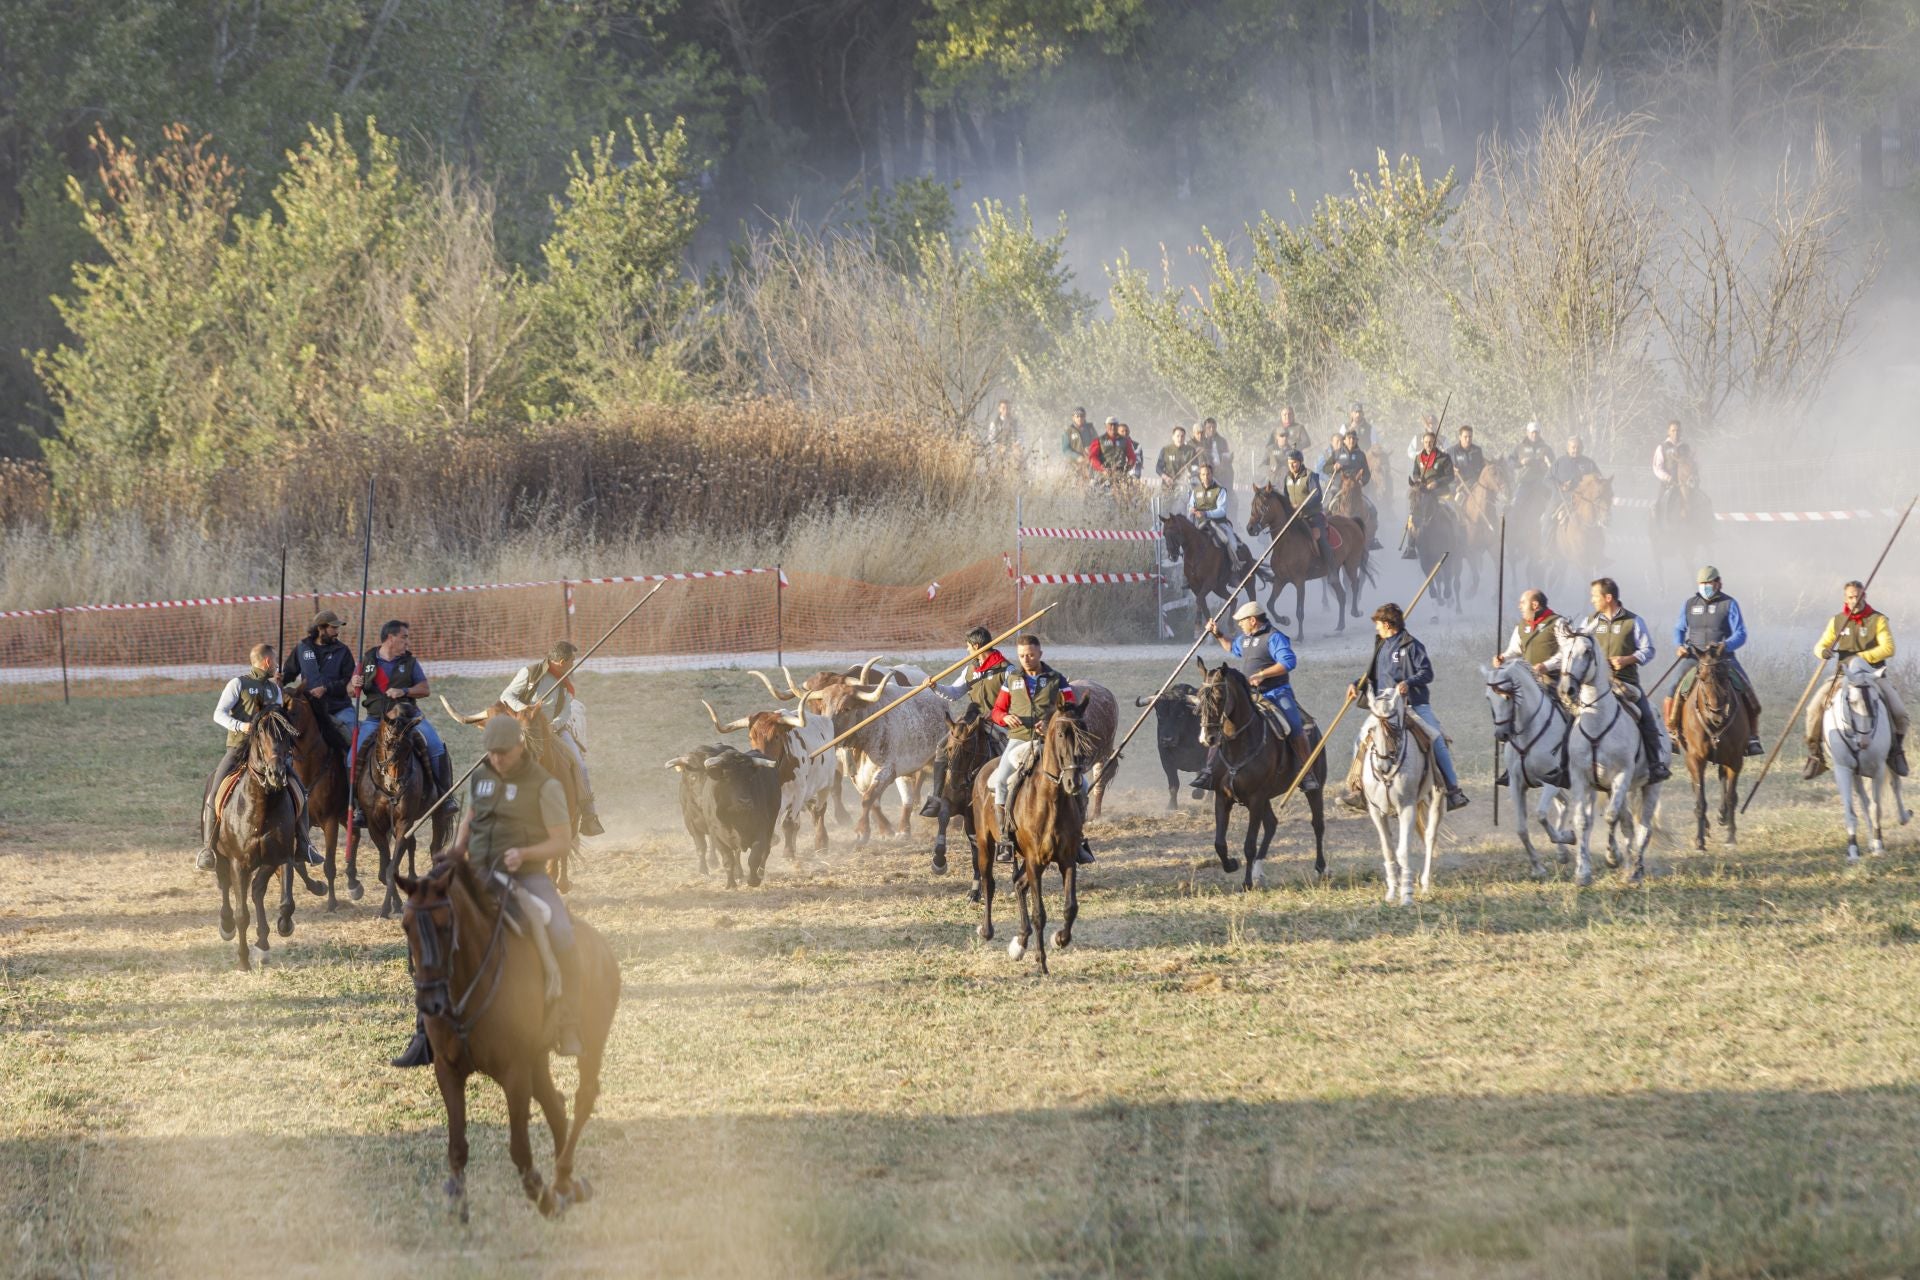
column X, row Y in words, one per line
column 1584, row 880
column 1613, row 859
column 1877, row 851
column 1260, row 874
column 973, row 894
column 284, row 926
column 355, row 890
column 258, row 955
column 1016, row 950
column 1061, row 938
column 226, row 932
column 1700, row 846
column 582, row 1191
column 1230, row 864
column 940, row 863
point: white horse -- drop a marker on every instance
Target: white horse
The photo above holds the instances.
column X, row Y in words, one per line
column 1534, row 726
column 1858, row 736
column 1398, row 775
column 1604, row 754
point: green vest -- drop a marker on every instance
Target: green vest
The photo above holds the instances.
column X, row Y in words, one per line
column 1538, row 639
column 506, row 814
column 1298, row 489
column 1036, row 706
column 534, row 675
column 982, row 691
column 256, row 693
column 1614, row 639
column 1850, row 637
column 1206, row 499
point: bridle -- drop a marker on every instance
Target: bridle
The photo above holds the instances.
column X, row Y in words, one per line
column 1855, row 736
column 432, row 974
column 1590, row 654
column 1392, row 736
column 279, row 748
column 1212, row 695
column 392, row 748
column 1714, row 714
column 1549, row 711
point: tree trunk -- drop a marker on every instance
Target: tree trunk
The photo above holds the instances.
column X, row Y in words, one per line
column 883, row 142
column 929, row 141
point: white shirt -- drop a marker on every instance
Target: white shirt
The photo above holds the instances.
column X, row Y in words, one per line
column 229, row 699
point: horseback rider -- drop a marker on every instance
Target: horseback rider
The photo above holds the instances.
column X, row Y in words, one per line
column 1432, row 473
column 1468, row 459
column 515, row 824
column 1535, row 641
column 1569, row 469
column 1003, row 429
column 1175, row 461
column 980, row 685
column 324, row 665
column 531, row 685
column 1667, row 457
column 1858, row 630
column 1622, row 638
column 1267, row 660
column 1133, row 451
column 241, row 703
column 1290, row 434
column 1710, row 616
column 1401, row 662
column 1112, row 455
column 1533, row 456
column 1304, row 494
column 1025, row 699
column 1345, row 457
column 1207, row 508
column 1358, row 425
column 390, row 673
column 1213, row 448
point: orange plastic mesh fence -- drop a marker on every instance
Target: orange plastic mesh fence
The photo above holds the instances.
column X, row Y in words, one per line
column 122, row 650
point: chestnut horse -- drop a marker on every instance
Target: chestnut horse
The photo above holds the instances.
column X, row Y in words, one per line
column 1482, row 503
column 394, row 790
column 320, row 762
column 480, row 990
column 1578, row 541
column 1350, row 500
column 1048, row 816
column 545, row 748
column 256, row 835
column 1296, row 561
column 1714, row 730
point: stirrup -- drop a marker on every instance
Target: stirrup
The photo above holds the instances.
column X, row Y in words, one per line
column 589, row 823
column 1755, row 747
column 1815, row 767
column 204, row 860
column 418, row 1053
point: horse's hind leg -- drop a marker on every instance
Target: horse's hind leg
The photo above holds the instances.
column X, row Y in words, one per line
column 1729, row 811
column 1036, row 874
column 577, row 1190
column 1017, row 947
column 453, row 1095
column 1845, row 783
column 333, row 842
column 553, row 1105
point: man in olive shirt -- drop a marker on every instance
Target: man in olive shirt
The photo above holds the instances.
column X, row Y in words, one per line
column 536, row 683
column 515, row 824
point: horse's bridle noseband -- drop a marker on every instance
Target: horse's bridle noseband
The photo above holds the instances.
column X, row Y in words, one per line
column 429, row 943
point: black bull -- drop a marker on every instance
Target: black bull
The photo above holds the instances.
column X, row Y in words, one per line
column 1176, row 724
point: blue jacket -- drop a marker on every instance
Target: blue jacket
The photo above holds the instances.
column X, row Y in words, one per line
column 1736, row 625
column 1280, row 650
column 1400, row 659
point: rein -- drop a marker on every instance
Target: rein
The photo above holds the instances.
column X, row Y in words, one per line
column 1599, row 692
column 1853, row 736
column 1393, row 734
column 1504, row 731
column 1229, row 736
column 463, row 1023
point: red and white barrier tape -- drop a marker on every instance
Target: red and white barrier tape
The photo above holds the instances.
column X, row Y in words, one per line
column 1084, row 579
column 1780, row 517
column 383, row 591
column 1094, row 535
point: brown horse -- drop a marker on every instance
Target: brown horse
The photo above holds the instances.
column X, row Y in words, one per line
column 1714, row 728
column 544, row 745
column 1578, row 541
column 1682, row 522
column 1436, row 531
column 971, row 746
column 320, row 762
column 1380, row 465
column 1048, row 814
column 1350, row 500
column 1208, row 565
column 394, row 790
column 480, row 991
column 1482, row 503
column 257, row 835
column 1255, row 766
column 1296, row 561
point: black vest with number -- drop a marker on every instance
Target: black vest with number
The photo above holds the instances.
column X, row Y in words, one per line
column 1614, row 638
column 1539, row 639
column 1708, row 620
column 1850, row 637
column 506, row 814
column 256, row 694
column 406, row 674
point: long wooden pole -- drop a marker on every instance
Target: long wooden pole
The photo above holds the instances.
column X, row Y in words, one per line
column 1200, row 639
column 932, row 680
column 359, row 656
column 1327, row 737
column 1786, row 730
column 1499, row 603
column 556, row 687
column 280, row 645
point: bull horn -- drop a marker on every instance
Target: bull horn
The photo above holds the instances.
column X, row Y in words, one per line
column 479, row 719
column 866, row 669
column 811, row 694
column 678, row 762
column 792, row 721
column 732, row 726
column 1145, row 699
column 777, row 695
column 870, row 695
column 787, row 675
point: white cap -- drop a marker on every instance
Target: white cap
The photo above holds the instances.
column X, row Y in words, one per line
column 1533, row 426
column 1251, row 609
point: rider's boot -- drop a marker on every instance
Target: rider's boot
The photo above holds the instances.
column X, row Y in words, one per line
column 1208, row 777
column 566, row 1011
column 1084, row 854
column 1407, row 550
column 1301, row 749
column 1670, row 712
column 440, row 768
column 935, row 807
column 1897, row 755
column 1657, row 770
column 1327, row 567
column 1003, row 823
column 1456, row 799
column 303, row 832
column 1355, row 798
column 419, row 1050
column 590, row 824
column 1817, row 759
column 203, row 861
column 1754, row 745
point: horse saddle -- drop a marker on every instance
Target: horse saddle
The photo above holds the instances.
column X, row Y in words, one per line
column 225, row 793
column 1629, row 697
column 529, row 917
column 1334, row 540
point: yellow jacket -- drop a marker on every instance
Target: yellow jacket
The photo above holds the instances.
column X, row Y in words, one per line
column 1876, row 629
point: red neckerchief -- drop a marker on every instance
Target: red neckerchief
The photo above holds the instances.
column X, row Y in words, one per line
column 1539, row 620
column 1428, row 459
column 994, row 658
column 1866, row 611
column 566, row 684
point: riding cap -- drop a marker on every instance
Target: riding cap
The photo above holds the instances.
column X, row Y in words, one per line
column 502, row 734
column 1112, row 421
column 325, row 618
column 1708, row 573
column 1533, row 426
column 1355, row 408
column 1251, row 609
column 562, row 651
column 1294, row 455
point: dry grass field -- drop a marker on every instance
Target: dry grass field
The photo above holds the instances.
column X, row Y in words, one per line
column 1711, row 1074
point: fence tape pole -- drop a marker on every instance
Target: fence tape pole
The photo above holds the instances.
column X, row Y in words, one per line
column 779, row 621
column 566, row 608
column 1019, row 561
column 60, row 624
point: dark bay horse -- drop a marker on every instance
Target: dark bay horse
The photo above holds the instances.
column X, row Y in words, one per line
column 1048, row 814
column 320, row 762
column 1714, row 729
column 1481, row 505
column 970, row 745
column 1208, row 565
column 394, row 791
column 257, row 835
column 480, row 990
column 1255, row 767
column 1296, row 561
column 1682, row 523
column 1436, row 531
